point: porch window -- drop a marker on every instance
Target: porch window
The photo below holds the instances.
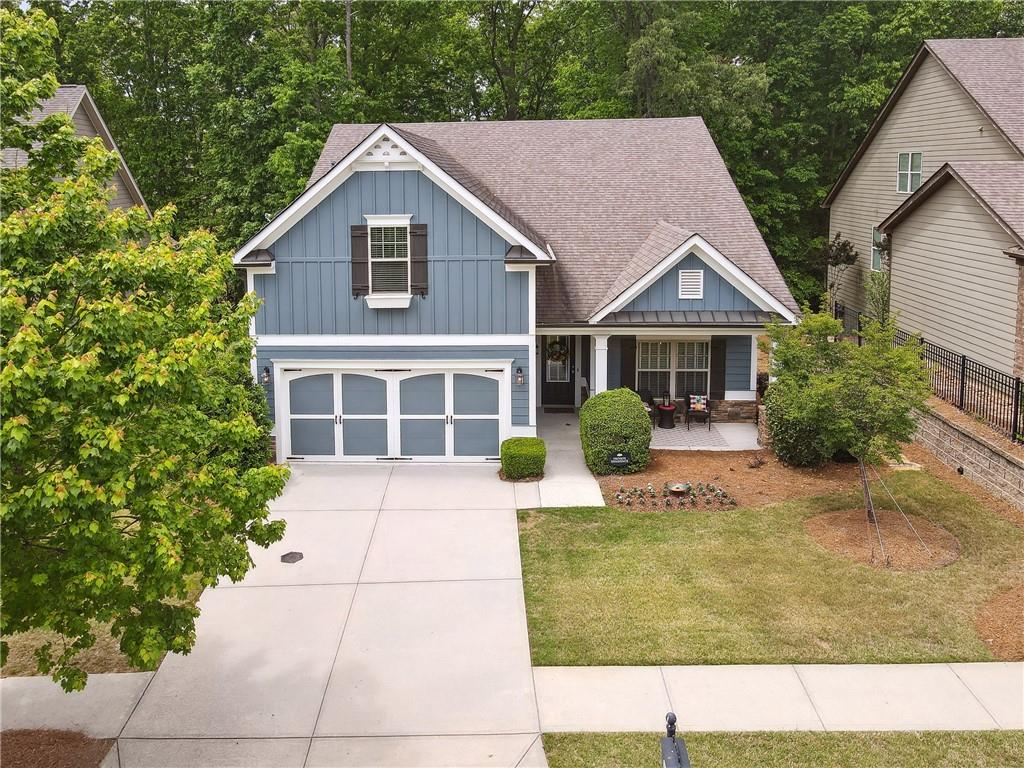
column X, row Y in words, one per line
column 389, row 259
column 653, row 366
column 679, row 368
column 692, row 366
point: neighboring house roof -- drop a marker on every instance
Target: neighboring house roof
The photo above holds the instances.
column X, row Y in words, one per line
column 991, row 73
column 998, row 186
column 68, row 99
column 594, row 192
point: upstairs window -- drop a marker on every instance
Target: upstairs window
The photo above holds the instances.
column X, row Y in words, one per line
column 691, row 284
column 389, row 259
column 876, row 250
column 908, row 175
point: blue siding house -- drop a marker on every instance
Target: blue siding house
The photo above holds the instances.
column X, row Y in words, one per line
column 436, row 284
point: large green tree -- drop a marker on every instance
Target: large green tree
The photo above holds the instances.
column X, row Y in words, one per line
column 131, row 457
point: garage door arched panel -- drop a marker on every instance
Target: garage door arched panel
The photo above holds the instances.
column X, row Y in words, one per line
column 311, row 403
column 364, row 415
column 476, row 408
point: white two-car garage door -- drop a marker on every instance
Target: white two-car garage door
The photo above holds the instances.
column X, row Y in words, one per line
column 367, row 414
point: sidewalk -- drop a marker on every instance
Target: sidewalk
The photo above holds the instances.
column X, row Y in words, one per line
column 784, row 697
column 567, row 482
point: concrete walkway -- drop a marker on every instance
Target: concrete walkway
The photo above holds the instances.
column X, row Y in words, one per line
column 785, row 697
column 399, row 639
column 567, row 482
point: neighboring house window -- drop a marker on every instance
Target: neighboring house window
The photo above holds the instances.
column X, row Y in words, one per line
column 691, row 284
column 908, row 177
column 876, row 250
column 679, row 369
column 389, row 259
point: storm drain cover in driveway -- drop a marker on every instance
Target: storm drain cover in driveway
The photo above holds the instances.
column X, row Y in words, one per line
column 291, row 557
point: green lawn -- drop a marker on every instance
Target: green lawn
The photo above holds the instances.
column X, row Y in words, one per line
column 605, row 586
column 990, row 749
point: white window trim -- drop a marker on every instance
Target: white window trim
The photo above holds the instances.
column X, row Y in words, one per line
column 699, row 293
column 389, row 299
column 874, row 248
column 673, row 361
column 909, row 173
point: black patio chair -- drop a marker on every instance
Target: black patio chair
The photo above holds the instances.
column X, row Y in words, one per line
column 704, row 417
column 648, row 397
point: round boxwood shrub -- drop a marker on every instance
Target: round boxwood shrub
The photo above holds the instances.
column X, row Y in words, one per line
column 523, row 457
column 611, row 422
column 794, row 424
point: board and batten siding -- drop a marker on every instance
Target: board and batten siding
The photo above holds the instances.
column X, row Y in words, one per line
column 933, row 116
column 84, row 127
column 719, row 293
column 469, row 291
column 519, row 355
column 951, row 281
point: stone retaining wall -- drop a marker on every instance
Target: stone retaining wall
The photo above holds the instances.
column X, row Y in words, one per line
column 982, row 461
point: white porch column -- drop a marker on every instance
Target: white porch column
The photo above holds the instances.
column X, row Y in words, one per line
column 600, row 364
column 753, row 361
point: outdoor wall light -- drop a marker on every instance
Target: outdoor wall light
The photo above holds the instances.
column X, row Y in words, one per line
column 520, row 379
column 265, row 377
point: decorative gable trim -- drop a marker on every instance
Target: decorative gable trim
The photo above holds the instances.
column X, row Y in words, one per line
column 716, row 261
column 381, row 150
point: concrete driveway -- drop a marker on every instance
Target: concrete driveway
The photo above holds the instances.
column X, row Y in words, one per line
column 399, row 638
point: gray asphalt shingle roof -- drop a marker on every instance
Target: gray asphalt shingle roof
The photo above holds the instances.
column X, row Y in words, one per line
column 596, row 191
column 66, row 100
column 991, row 70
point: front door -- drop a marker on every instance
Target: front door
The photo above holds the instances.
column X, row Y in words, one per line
column 558, row 361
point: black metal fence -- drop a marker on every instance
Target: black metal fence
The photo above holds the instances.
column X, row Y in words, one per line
column 992, row 396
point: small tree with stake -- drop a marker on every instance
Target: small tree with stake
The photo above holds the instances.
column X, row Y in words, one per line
column 832, row 395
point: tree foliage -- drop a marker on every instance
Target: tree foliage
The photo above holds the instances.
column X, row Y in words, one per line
column 224, row 105
column 132, row 464
column 832, row 394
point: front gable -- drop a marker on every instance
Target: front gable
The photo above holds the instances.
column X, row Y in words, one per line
column 717, row 291
column 469, row 291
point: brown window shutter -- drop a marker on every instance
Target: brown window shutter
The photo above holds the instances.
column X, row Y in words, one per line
column 418, row 253
column 360, row 260
column 627, row 363
column 716, row 386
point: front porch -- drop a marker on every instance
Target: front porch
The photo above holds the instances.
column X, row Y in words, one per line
column 735, row 436
column 720, row 363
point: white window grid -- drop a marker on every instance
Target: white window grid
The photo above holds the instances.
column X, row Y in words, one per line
column 664, row 366
column 908, row 171
column 876, row 250
column 389, row 259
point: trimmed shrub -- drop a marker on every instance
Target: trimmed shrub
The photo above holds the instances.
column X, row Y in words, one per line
column 795, row 426
column 523, row 457
column 612, row 422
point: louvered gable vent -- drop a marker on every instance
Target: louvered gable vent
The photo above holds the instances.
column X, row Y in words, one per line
column 691, row 284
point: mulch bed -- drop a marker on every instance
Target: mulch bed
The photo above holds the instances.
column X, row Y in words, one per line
column 735, row 471
column 1000, row 624
column 848, row 533
column 51, row 749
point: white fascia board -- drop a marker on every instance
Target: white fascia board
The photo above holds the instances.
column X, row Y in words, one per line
column 337, row 175
column 710, row 256
column 394, row 340
column 362, row 365
column 101, row 127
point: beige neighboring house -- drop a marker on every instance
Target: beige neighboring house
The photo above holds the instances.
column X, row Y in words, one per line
column 76, row 101
column 941, row 175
